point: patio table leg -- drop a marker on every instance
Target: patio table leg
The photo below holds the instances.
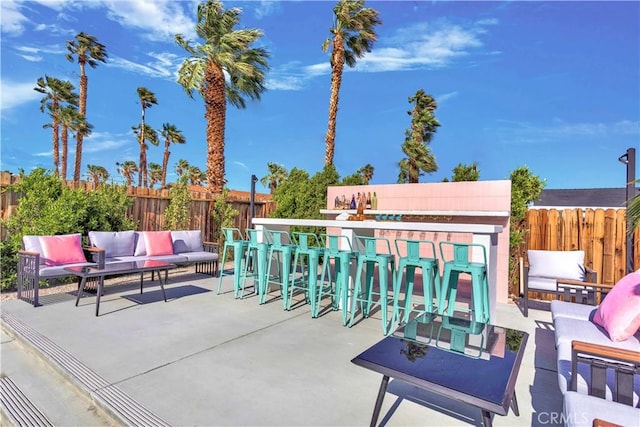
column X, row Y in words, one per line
column 100, row 284
column 81, row 284
column 514, row 404
column 162, row 284
column 486, row 418
column 379, row 399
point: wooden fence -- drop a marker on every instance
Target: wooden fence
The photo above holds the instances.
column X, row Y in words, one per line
column 149, row 205
column 600, row 233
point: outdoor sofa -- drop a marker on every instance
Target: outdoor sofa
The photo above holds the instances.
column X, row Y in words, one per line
column 598, row 356
column 46, row 257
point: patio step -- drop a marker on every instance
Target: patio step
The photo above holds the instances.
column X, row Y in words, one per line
column 71, row 389
column 16, row 407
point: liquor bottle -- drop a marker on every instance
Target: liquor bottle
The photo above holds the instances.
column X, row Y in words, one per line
column 345, row 205
column 353, row 202
column 374, row 201
column 368, row 202
column 336, row 202
column 360, row 212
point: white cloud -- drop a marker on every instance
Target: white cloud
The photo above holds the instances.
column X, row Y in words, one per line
column 158, row 68
column 559, row 130
column 12, row 20
column 419, row 46
column 15, row 94
column 445, row 97
column 160, row 19
column 266, row 8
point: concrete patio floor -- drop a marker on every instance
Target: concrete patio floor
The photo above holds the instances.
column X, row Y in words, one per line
column 203, row 359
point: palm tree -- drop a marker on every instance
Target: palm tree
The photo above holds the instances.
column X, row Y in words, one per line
column 418, row 160
column 144, row 134
column 71, row 120
column 88, row 51
column 224, row 50
column 155, row 174
column 170, row 133
column 353, row 35
column 127, row 169
column 147, row 100
column 56, row 92
column 417, row 139
column 97, row 174
column 366, row 172
column 182, row 166
column 275, row 175
column 196, row 176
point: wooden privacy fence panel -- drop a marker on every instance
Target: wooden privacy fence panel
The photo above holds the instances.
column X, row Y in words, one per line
column 149, row 205
column 600, row 233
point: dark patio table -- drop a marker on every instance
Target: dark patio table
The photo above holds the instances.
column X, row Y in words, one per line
column 116, row 268
column 462, row 360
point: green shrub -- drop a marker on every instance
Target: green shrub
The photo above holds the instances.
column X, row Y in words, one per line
column 46, row 207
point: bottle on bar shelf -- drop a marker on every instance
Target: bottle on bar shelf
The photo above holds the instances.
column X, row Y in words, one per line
column 374, row 201
column 360, row 211
column 368, row 203
column 353, row 202
column 336, row 203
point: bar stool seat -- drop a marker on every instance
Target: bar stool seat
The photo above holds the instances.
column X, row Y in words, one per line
column 414, row 254
column 368, row 256
column 306, row 247
column 281, row 247
column 460, row 262
column 233, row 240
column 338, row 249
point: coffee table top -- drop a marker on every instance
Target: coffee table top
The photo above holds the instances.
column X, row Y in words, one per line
column 121, row 268
column 475, row 363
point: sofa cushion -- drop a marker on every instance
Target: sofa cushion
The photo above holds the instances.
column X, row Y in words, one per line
column 556, row 264
column 201, row 256
column 571, row 310
column 568, row 329
column 63, row 249
column 141, row 249
column 619, row 312
column 114, row 243
column 32, row 244
column 186, row 241
column 158, row 243
column 580, row 410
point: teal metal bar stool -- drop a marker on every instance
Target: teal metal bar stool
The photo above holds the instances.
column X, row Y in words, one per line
column 306, row 256
column 414, row 254
column 457, row 259
column 256, row 259
column 338, row 249
column 233, row 239
column 281, row 247
column 368, row 256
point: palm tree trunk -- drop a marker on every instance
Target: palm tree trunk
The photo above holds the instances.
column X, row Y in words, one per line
column 65, row 144
column 55, row 108
column 84, row 83
column 165, row 162
column 215, row 114
column 336, row 81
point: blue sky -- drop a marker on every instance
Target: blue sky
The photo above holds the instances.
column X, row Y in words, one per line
column 554, row 86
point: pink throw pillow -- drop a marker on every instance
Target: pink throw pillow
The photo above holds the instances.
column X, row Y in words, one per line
column 619, row 312
column 158, row 243
column 60, row 250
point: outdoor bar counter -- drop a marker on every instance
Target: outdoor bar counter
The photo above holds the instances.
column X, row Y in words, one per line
column 484, row 234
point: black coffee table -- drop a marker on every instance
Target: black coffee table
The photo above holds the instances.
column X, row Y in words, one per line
column 462, row 360
column 116, row 268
